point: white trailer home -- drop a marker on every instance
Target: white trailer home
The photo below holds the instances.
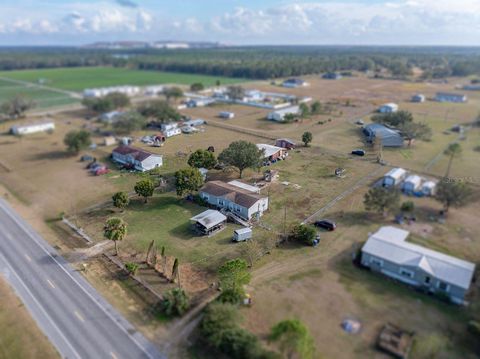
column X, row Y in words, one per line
column 279, row 115
column 394, row 177
column 32, row 128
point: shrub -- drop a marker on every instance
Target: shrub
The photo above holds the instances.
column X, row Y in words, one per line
column 131, row 268
column 175, row 302
column 474, row 327
column 302, row 233
column 231, row 296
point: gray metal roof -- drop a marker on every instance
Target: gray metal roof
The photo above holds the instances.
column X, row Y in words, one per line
column 389, row 243
column 210, row 218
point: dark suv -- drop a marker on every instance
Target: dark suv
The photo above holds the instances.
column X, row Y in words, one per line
column 326, row 224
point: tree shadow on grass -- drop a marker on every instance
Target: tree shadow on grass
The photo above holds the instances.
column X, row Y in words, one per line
column 51, row 155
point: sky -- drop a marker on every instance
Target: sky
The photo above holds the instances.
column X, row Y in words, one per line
column 247, row 22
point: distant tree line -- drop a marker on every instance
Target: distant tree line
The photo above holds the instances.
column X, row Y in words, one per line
column 265, row 62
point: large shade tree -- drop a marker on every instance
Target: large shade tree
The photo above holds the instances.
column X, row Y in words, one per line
column 241, row 155
column 77, row 140
column 188, row 180
column 16, row 107
column 202, row 159
column 381, row 200
column 452, row 193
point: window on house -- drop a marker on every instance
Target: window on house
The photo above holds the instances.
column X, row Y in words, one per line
column 377, row 262
column 220, row 202
column 427, row 280
column 406, row 273
column 443, row 286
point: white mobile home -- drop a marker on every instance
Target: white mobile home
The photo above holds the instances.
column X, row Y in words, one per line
column 388, row 252
column 388, row 108
column 394, row 177
column 136, row 158
column 279, row 115
column 32, row 128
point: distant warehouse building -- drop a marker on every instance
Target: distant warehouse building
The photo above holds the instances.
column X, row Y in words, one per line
column 390, row 137
column 294, row 83
column 279, row 115
column 450, row 97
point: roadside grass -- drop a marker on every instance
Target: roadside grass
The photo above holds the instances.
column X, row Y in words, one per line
column 80, row 78
column 20, row 338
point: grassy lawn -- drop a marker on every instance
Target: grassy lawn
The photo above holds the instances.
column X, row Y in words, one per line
column 20, row 337
column 80, row 78
column 42, row 98
column 166, row 219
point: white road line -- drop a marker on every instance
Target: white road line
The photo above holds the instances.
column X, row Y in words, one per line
column 112, row 354
column 33, row 236
column 50, row 283
column 28, row 257
column 40, row 306
column 79, row 316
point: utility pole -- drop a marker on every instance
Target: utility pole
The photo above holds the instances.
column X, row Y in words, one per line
column 285, row 222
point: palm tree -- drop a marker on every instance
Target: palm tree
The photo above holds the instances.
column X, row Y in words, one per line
column 453, row 150
column 115, row 230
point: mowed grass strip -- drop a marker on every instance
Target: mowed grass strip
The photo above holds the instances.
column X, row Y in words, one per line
column 80, row 78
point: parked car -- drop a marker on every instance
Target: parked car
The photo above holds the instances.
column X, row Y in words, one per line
column 358, row 152
column 326, row 224
column 359, row 122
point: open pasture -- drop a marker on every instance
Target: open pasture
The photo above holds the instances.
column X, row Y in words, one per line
column 80, row 78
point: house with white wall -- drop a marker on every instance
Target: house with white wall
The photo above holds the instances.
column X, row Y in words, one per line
column 240, row 200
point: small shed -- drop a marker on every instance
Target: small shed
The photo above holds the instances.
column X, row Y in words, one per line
column 242, row 234
column 394, row 177
column 418, row 98
column 109, row 141
column 209, row 222
column 428, row 188
column 285, row 143
column 388, row 108
column 412, row 184
column 226, row 115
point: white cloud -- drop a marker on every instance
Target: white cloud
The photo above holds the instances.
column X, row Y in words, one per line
column 360, row 22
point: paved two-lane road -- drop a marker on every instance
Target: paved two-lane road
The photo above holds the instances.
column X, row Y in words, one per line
column 76, row 319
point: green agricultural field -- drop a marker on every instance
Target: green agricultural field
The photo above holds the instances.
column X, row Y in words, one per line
column 80, row 78
column 43, row 98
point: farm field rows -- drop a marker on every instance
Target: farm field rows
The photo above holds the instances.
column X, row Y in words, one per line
column 80, row 78
column 43, row 98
